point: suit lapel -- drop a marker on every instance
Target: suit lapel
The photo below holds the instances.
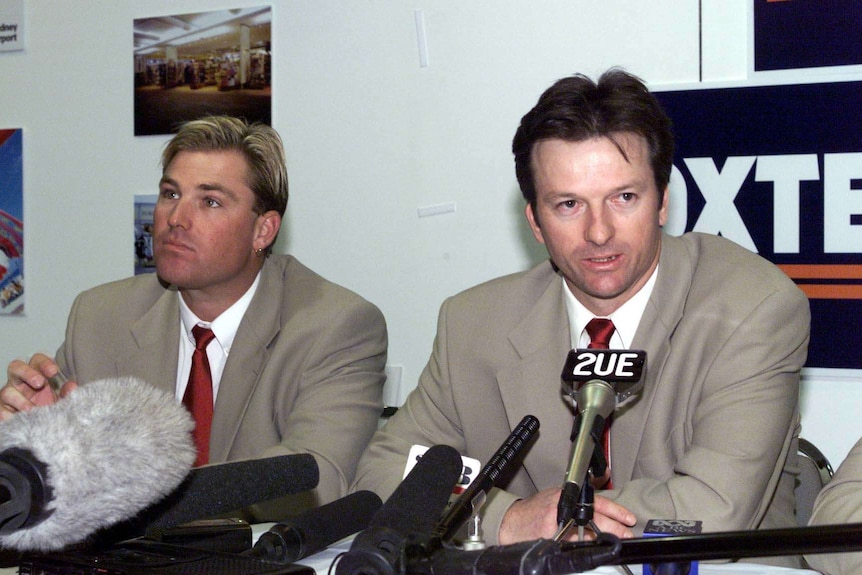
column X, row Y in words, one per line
column 532, row 384
column 156, row 335
column 249, row 352
column 661, row 316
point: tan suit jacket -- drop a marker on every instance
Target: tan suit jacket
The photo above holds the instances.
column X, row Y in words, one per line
column 840, row 502
column 304, row 374
column 712, row 435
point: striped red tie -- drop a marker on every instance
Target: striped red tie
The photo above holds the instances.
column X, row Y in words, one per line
column 600, row 331
column 198, row 397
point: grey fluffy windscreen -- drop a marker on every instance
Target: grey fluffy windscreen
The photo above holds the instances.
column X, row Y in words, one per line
column 112, row 447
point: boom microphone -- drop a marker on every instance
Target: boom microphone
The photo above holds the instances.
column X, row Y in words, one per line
column 92, row 459
column 599, row 372
column 317, row 528
column 411, row 512
column 547, row 557
column 221, row 488
column 467, row 503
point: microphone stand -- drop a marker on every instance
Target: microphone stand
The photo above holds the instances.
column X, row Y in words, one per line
column 582, row 513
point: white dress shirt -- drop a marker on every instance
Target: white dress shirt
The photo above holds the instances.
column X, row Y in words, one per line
column 224, row 327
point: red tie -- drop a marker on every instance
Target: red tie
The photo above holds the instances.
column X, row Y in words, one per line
column 600, row 331
column 198, row 398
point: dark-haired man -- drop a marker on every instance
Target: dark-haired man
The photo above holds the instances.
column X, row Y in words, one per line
column 712, row 436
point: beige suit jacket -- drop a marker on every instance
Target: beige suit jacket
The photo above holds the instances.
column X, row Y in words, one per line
column 304, row 374
column 712, row 435
column 840, row 502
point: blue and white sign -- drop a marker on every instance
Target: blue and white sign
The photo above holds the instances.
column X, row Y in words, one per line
column 778, row 169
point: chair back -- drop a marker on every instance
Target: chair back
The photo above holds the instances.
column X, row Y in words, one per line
column 814, row 472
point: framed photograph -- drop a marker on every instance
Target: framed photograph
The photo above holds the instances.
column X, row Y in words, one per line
column 187, row 66
column 144, row 206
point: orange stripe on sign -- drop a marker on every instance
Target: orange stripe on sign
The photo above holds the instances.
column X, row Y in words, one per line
column 818, row 291
column 822, row 271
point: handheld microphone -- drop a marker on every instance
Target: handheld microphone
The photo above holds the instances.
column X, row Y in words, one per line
column 316, row 529
column 411, row 511
column 93, row 458
column 466, row 504
column 605, row 377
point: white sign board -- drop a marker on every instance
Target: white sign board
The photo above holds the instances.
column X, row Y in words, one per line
column 11, row 25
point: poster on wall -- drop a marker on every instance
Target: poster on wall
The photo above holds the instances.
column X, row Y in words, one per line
column 11, row 226
column 778, row 169
column 11, row 25
column 144, row 206
column 791, row 34
column 187, row 66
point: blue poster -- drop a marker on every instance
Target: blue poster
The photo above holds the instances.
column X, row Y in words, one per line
column 791, row 34
column 11, row 226
column 778, row 169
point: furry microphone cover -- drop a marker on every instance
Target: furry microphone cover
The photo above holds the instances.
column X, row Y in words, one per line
column 111, row 448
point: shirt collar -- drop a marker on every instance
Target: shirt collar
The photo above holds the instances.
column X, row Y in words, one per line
column 626, row 318
column 226, row 324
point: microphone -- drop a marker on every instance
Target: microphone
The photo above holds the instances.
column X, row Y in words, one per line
column 547, row 557
column 317, row 528
column 221, row 488
column 411, row 512
column 96, row 457
column 741, row 544
column 474, row 496
column 605, row 377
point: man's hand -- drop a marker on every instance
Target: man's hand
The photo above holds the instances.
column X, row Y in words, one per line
column 27, row 385
column 536, row 518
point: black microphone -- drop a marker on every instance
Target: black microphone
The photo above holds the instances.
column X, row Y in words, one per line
column 411, row 512
column 741, row 544
column 317, row 528
column 474, row 496
column 89, row 460
column 218, row 489
column 546, row 557
column 604, row 377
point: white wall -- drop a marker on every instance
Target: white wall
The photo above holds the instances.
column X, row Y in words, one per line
column 371, row 136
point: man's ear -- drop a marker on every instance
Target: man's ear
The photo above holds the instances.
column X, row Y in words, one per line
column 268, row 224
column 664, row 207
column 534, row 223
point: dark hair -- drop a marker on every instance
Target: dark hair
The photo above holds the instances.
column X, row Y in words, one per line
column 259, row 144
column 577, row 109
